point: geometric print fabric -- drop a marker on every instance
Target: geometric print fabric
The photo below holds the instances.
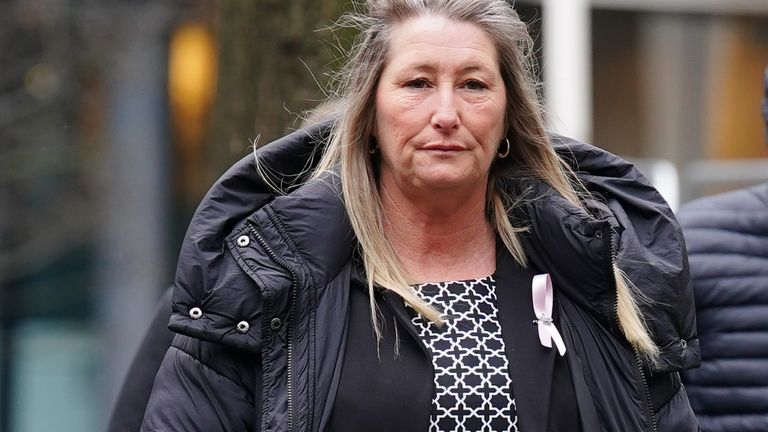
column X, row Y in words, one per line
column 473, row 389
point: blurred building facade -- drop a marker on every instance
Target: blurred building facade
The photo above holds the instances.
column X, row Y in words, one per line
column 675, row 86
column 116, row 115
column 85, row 201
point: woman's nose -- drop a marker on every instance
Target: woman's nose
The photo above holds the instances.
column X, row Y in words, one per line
column 445, row 116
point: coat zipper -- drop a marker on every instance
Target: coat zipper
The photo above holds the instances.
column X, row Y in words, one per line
column 292, row 316
column 638, row 362
column 647, row 393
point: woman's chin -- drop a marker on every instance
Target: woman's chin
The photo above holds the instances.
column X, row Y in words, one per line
column 445, row 182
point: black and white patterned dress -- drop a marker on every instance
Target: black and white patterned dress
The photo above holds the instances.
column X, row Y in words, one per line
column 473, row 388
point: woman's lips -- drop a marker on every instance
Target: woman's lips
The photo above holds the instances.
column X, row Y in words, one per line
column 443, row 147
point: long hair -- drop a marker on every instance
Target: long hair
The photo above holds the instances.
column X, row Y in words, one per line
column 531, row 151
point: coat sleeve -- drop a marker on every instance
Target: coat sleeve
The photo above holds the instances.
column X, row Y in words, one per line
column 190, row 395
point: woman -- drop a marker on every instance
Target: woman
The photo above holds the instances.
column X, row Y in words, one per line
column 395, row 289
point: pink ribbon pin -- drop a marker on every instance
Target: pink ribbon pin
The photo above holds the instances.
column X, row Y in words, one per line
column 542, row 307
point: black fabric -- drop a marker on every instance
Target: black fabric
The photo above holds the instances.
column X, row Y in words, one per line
column 381, row 391
column 619, row 406
column 727, row 238
column 663, row 388
column 215, row 382
column 563, row 411
column 131, row 402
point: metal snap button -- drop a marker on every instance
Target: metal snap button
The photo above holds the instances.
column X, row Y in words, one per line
column 599, row 234
column 275, row 323
column 684, row 343
column 195, row 313
column 243, row 326
column 243, row 241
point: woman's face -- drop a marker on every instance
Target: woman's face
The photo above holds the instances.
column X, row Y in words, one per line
column 440, row 106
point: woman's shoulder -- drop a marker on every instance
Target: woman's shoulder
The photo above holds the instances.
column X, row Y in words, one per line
column 626, row 222
column 221, row 258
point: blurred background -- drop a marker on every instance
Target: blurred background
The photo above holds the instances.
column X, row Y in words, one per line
column 116, row 116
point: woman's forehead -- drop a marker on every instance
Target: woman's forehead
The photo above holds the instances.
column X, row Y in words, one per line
column 430, row 41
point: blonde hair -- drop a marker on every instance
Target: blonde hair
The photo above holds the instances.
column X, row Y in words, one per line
column 531, row 151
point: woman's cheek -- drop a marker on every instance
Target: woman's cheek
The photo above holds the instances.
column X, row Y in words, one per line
column 411, row 101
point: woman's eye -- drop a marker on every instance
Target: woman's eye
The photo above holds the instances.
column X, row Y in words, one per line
column 419, row 83
column 475, row 85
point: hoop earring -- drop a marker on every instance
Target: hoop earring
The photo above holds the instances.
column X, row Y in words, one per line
column 504, row 154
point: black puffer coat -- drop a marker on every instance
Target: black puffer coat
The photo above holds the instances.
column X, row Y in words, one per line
column 727, row 237
column 261, row 299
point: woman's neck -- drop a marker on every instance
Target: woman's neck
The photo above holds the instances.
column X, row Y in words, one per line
column 440, row 239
